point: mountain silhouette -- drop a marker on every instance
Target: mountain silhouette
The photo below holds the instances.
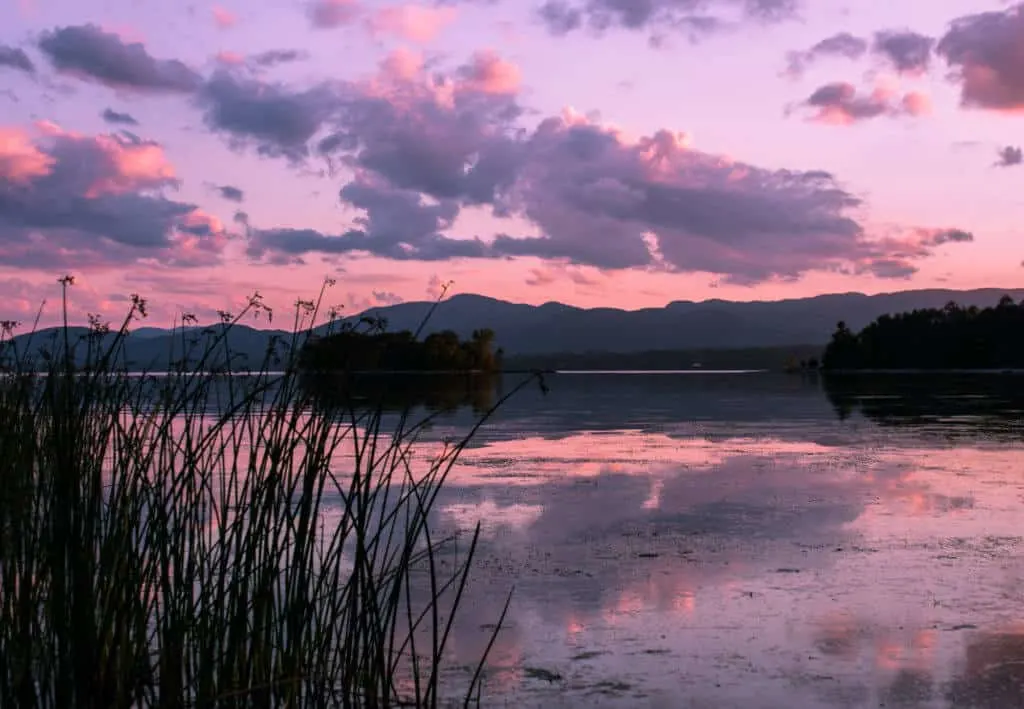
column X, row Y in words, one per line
column 523, row 330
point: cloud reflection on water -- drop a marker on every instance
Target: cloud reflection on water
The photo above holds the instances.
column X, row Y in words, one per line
column 672, row 565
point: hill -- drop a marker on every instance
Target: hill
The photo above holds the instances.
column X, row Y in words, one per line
column 526, row 331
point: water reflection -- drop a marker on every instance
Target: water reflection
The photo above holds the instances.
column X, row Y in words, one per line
column 740, row 561
column 938, row 409
column 740, row 540
column 993, row 671
column 987, row 404
column 433, row 392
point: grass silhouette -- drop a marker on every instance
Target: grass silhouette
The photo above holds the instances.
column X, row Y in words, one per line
column 204, row 537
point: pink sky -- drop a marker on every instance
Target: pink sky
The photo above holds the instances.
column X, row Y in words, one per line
column 531, row 151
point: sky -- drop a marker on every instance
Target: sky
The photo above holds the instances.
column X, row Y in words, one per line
column 612, row 153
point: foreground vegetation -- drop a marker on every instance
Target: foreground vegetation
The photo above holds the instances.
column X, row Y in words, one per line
column 952, row 337
column 202, row 539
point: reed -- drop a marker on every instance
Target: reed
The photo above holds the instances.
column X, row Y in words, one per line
column 198, row 538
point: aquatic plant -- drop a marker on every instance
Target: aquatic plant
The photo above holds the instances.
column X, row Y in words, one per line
column 204, row 537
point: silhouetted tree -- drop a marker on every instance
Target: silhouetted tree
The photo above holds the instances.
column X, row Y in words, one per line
column 355, row 351
column 952, row 337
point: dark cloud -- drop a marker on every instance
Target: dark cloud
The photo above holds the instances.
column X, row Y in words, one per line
column 839, row 103
column 115, row 118
column 984, row 51
column 691, row 17
column 843, row 45
column 425, row 147
column 948, row 236
column 399, row 224
column 1010, row 156
column 275, row 119
column 908, row 52
column 90, row 52
column 230, row 193
column 16, row 58
column 73, row 200
column 278, row 56
column 387, row 298
column 328, row 14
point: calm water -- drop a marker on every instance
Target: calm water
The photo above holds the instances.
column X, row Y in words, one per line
column 748, row 540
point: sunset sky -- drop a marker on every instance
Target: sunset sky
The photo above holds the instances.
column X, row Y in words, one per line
column 595, row 152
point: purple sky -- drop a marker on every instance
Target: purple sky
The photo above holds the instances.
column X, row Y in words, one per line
column 596, row 152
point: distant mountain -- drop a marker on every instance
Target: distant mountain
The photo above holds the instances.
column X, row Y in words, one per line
column 681, row 325
column 556, row 328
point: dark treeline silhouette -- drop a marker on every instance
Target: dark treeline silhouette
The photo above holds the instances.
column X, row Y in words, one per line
column 354, row 351
column 952, row 337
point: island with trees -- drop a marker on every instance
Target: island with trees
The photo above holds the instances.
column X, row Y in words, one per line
column 948, row 338
column 354, row 351
column 395, row 370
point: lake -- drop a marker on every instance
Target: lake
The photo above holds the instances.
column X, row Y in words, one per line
column 747, row 540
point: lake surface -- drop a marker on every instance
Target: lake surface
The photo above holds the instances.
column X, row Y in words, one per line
column 747, row 540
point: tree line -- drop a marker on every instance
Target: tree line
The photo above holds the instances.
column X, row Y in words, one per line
column 951, row 337
column 354, row 351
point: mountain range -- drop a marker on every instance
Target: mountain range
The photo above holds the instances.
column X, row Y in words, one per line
column 527, row 331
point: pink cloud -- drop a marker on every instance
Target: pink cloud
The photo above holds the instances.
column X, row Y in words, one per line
column 839, row 103
column 117, row 166
column 224, row 19
column 401, row 65
column 96, row 201
column 424, row 146
column 230, row 58
column 488, row 73
column 984, row 51
column 20, row 160
column 415, row 23
column 917, row 103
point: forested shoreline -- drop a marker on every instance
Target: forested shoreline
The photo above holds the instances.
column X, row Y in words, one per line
column 949, row 338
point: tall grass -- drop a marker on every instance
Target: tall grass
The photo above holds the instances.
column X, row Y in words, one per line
column 198, row 539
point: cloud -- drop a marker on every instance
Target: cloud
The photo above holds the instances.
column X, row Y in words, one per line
column 115, row 118
column 424, row 146
column 224, row 19
column 16, row 58
column 488, row 73
column 232, row 194
column 20, row 160
column 386, row 298
column 436, row 287
column 277, row 120
column 843, row 45
column 91, row 53
column 839, row 103
column 398, row 224
column 552, row 274
column 983, row 50
column 414, row 23
column 328, row 14
column 690, row 17
column 230, row 58
column 273, row 57
column 1010, row 156
column 71, row 200
column 938, row 237
column 908, row 52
